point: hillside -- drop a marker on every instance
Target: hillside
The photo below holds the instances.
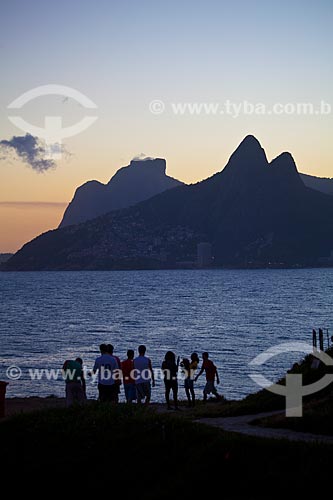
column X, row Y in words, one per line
column 140, row 180
column 322, row 184
column 4, row 257
column 253, row 213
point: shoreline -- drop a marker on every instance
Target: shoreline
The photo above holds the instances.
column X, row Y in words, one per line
column 17, row 406
column 282, row 267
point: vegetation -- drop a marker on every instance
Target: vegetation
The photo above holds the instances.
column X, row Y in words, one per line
column 317, row 418
column 160, row 455
column 261, row 401
column 166, row 455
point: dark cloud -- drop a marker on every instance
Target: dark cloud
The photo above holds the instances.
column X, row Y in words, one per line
column 29, row 149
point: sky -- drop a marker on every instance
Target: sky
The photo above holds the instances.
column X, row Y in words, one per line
column 124, row 56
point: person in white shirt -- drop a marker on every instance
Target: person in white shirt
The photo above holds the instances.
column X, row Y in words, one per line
column 107, row 366
column 143, row 376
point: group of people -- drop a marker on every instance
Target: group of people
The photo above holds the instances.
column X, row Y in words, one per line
column 170, row 369
column 137, row 376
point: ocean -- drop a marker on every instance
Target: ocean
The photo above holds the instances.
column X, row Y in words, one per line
column 48, row 317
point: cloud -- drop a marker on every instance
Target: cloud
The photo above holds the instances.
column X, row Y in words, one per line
column 33, row 204
column 30, row 150
column 142, row 157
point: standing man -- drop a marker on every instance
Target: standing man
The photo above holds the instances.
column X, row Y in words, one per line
column 117, row 378
column 211, row 372
column 75, row 381
column 127, row 367
column 144, row 376
column 106, row 366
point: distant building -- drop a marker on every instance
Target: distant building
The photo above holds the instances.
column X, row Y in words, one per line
column 204, row 254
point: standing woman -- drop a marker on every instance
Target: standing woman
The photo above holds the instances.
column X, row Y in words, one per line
column 190, row 369
column 170, row 369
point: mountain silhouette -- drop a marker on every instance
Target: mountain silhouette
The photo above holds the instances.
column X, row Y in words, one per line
column 138, row 181
column 322, row 184
column 143, row 179
column 252, row 213
column 4, row 257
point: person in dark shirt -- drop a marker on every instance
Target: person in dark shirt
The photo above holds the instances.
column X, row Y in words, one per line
column 110, row 350
column 189, row 369
column 170, row 369
column 211, row 373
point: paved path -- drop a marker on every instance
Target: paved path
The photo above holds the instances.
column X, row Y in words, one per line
column 242, row 425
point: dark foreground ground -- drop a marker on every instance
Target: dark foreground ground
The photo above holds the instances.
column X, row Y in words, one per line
column 148, row 453
column 152, row 455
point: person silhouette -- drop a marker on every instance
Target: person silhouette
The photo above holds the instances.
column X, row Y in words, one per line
column 106, row 366
column 190, row 368
column 170, row 370
column 143, row 375
column 75, row 381
column 110, row 350
column 211, row 373
column 127, row 367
